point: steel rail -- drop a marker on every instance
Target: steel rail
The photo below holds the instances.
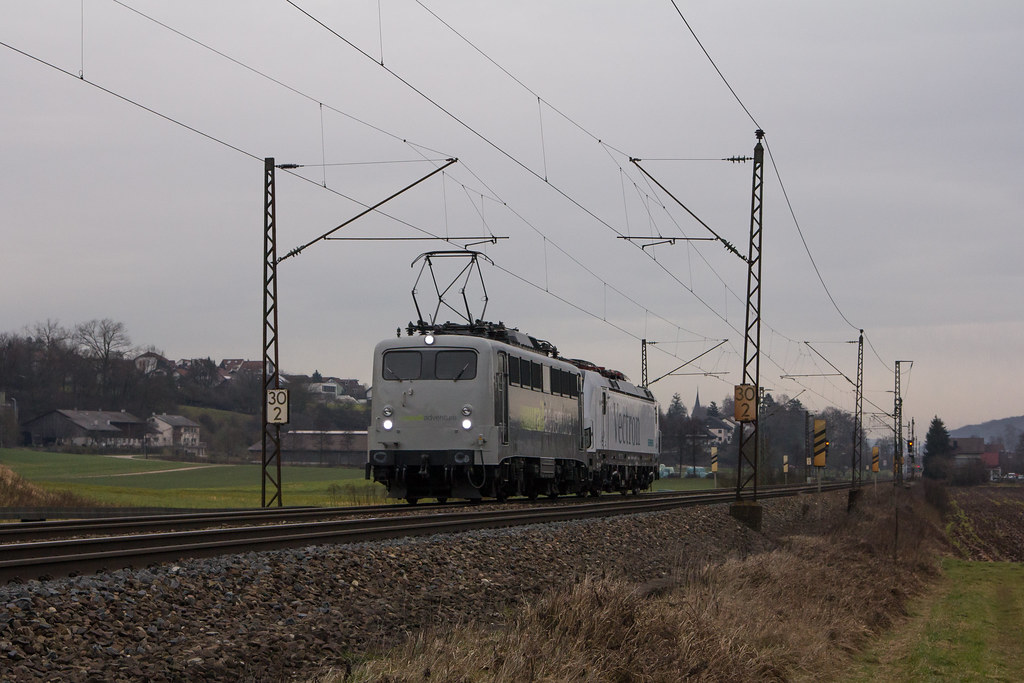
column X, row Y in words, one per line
column 72, row 556
column 91, row 523
column 101, row 521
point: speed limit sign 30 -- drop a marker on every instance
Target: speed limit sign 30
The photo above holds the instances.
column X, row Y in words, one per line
column 277, row 406
column 745, row 403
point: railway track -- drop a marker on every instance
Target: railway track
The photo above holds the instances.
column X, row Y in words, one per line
column 94, row 523
column 69, row 556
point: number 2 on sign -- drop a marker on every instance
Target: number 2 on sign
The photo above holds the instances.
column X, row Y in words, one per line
column 277, row 406
column 745, row 402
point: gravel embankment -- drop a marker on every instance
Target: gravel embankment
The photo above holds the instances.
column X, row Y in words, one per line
column 284, row 614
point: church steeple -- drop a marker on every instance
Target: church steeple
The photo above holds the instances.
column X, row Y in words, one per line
column 698, row 412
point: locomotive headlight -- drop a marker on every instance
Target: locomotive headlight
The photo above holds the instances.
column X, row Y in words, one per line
column 467, row 410
column 467, row 424
column 428, row 340
column 387, row 424
column 388, row 411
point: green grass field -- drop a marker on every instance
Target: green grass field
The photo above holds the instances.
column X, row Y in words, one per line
column 683, row 484
column 138, row 482
column 970, row 629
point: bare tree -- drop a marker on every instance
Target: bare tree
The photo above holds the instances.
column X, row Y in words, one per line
column 51, row 335
column 102, row 339
column 104, row 342
column 57, row 375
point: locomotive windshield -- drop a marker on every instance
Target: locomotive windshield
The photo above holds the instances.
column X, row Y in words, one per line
column 403, row 364
column 455, row 365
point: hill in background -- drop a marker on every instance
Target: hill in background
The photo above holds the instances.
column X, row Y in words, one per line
column 1008, row 429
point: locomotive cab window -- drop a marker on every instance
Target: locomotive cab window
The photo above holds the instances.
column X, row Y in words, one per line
column 400, row 365
column 455, row 365
column 513, row 370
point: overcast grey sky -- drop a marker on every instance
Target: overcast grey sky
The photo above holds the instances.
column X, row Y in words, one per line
column 895, row 129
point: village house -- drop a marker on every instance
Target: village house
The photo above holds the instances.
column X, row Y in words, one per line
column 175, row 432
column 967, row 449
column 334, row 389
column 151, row 363
column 96, row 428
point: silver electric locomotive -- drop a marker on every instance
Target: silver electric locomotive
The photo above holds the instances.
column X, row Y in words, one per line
column 474, row 411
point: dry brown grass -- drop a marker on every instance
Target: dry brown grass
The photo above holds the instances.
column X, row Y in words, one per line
column 15, row 492
column 795, row 613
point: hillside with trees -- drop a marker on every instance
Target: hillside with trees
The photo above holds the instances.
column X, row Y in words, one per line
column 94, row 366
column 1007, row 431
column 686, row 439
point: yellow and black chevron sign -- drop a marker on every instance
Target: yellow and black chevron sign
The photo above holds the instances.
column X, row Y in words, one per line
column 820, row 443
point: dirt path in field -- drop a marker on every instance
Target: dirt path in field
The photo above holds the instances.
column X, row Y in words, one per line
column 176, row 469
column 132, row 474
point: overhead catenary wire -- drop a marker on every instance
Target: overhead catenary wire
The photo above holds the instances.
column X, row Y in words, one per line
column 276, row 81
column 298, row 250
column 321, row 104
column 803, row 240
column 603, row 143
column 289, row 168
column 775, row 167
column 190, row 128
column 255, row 157
column 713, row 64
column 508, row 155
column 325, row 164
column 132, row 102
column 508, row 73
column 573, row 258
column 595, row 137
column 367, row 163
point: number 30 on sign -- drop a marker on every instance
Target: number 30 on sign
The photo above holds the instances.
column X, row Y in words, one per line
column 277, row 406
column 745, row 403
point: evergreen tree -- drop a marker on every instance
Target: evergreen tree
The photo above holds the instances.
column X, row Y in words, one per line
column 938, row 449
column 673, row 430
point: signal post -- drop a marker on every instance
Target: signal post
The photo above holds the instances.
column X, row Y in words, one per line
column 747, row 401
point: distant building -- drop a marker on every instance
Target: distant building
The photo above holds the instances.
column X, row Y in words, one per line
column 334, row 389
column 353, row 388
column 201, row 371
column 151, row 363
column 327, row 391
column 968, row 449
column 236, row 366
column 720, row 429
column 177, row 432
column 98, row 428
column 321, row 447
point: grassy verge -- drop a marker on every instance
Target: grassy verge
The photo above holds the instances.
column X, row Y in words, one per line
column 138, row 482
column 795, row 613
column 969, row 628
column 683, row 484
column 15, row 492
